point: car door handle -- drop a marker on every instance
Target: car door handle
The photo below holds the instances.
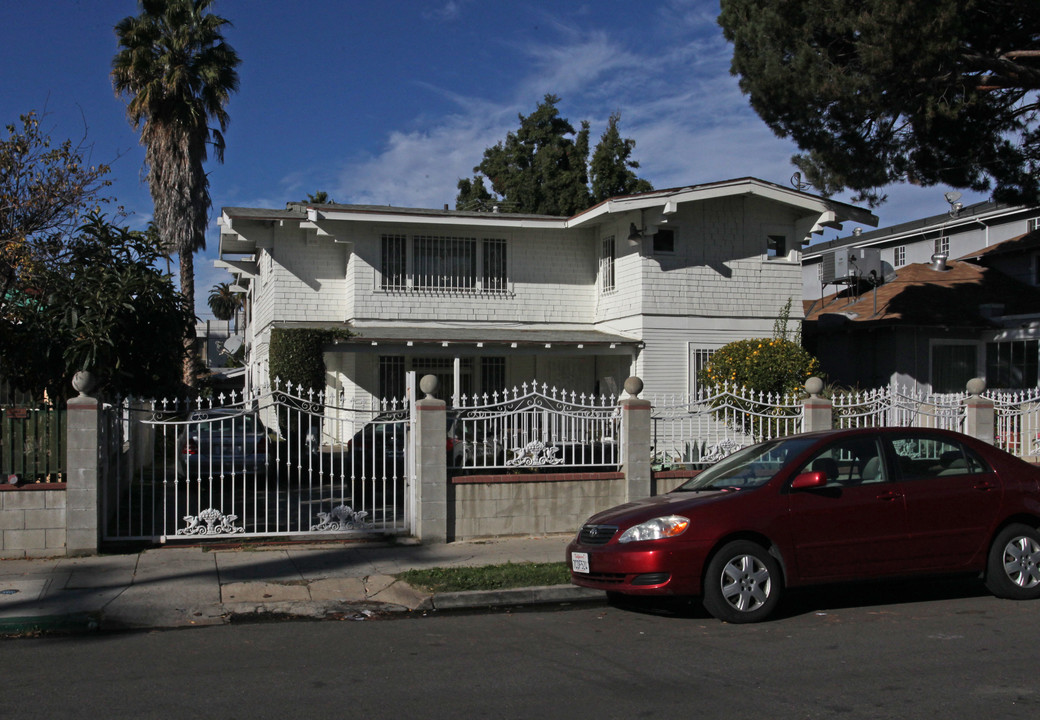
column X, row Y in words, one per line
column 985, row 485
column 890, row 496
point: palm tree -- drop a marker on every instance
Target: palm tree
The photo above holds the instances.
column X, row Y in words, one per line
column 224, row 302
column 177, row 73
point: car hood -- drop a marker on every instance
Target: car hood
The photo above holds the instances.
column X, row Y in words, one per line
column 675, row 503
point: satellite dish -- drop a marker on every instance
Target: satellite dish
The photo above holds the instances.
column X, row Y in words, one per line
column 952, row 196
column 232, row 345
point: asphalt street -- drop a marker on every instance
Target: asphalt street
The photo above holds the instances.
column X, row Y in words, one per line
column 921, row 650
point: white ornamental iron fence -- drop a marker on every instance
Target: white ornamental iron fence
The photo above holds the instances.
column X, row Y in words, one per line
column 693, row 431
column 534, row 426
column 896, row 406
column 1017, row 421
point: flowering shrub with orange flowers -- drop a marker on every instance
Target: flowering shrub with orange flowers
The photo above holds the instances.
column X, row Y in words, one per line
column 769, row 365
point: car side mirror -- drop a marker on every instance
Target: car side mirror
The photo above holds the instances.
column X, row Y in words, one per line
column 809, row 480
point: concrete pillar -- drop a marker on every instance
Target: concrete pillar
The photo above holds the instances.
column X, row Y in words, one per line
column 817, row 408
column 635, row 441
column 82, row 461
column 979, row 416
column 431, row 466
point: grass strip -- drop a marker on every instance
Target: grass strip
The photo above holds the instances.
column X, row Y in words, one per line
column 488, row 577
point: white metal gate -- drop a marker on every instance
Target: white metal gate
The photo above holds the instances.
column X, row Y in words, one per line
column 278, row 462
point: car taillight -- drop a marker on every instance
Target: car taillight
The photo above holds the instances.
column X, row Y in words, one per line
column 190, row 448
column 450, row 445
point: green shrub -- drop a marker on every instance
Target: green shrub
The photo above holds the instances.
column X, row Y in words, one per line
column 770, row 365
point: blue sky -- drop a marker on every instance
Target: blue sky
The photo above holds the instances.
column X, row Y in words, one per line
column 390, row 102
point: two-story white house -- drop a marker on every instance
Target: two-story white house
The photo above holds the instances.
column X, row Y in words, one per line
column 643, row 285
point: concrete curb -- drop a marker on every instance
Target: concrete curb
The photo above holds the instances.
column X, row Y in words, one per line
column 475, row 599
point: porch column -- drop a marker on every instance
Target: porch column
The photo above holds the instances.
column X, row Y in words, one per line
column 431, row 466
column 82, row 459
column 979, row 415
column 635, row 441
column 817, row 408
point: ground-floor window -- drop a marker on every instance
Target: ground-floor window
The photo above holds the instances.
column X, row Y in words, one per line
column 953, row 365
column 1012, row 364
column 699, row 359
column 391, row 377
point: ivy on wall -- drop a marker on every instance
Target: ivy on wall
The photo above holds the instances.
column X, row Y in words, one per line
column 296, row 356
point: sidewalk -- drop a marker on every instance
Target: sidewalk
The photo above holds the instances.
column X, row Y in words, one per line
column 183, row 586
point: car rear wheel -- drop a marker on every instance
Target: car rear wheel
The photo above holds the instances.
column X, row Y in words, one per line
column 743, row 583
column 1013, row 566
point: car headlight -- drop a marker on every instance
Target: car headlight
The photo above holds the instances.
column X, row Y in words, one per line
column 656, row 529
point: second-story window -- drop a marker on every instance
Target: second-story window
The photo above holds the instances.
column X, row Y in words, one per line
column 393, row 263
column 899, row 260
column 606, row 264
column 942, row 245
column 495, row 265
column 443, row 264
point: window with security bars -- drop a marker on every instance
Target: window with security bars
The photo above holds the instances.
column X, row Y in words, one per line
column 494, row 265
column 444, row 264
column 606, row 265
column 391, row 377
column 699, row 359
column 394, row 265
column 492, row 375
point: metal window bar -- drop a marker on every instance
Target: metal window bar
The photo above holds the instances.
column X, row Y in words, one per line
column 445, row 264
column 393, row 268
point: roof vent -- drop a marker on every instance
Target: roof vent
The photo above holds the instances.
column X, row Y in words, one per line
column 939, row 262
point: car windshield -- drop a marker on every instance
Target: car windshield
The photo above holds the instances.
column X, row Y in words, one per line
column 748, row 468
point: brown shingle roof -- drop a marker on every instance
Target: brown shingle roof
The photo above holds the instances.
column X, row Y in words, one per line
column 920, row 295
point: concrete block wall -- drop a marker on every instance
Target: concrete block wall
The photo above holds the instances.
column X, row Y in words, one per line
column 32, row 521
column 502, row 505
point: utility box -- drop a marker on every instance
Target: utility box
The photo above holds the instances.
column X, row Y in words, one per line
column 845, row 266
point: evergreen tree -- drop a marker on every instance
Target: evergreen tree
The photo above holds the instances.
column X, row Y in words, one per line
column 612, row 167
column 543, row 167
column 879, row 91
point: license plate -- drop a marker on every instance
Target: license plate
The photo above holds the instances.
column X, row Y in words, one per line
column 580, row 562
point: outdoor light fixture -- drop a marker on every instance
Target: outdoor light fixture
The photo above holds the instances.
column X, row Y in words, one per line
column 635, row 235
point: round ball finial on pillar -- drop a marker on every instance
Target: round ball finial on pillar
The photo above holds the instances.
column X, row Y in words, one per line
column 428, row 385
column 976, row 386
column 83, row 382
column 634, row 386
column 814, row 386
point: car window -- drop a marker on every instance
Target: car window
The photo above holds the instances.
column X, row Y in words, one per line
column 748, row 468
column 851, row 461
column 930, row 456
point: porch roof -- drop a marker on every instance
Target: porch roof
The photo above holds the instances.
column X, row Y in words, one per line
column 448, row 339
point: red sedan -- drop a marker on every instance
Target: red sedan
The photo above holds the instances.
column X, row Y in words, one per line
column 823, row 507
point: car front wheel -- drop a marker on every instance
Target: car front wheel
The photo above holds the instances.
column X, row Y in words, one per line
column 1013, row 566
column 743, row 583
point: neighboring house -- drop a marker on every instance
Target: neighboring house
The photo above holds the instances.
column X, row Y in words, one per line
column 643, row 285
column 957, row 233
column 933, row 326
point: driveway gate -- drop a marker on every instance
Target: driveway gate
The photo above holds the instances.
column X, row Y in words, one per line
column 274, row 463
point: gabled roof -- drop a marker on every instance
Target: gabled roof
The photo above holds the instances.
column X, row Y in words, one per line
column 921, row 295
column 831, row 212
column 817, row 212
